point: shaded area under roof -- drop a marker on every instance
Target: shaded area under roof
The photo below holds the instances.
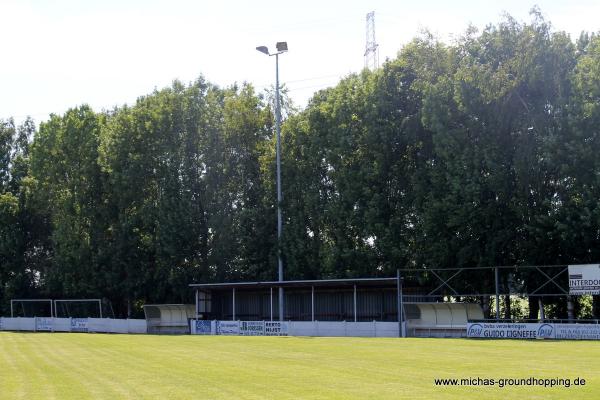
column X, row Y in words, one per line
column 372, row 282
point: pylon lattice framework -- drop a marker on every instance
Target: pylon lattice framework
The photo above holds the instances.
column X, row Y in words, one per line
column 372, row 48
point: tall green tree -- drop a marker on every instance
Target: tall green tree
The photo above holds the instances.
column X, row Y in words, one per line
column 69, row 186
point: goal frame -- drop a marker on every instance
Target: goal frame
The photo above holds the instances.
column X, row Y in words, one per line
column 12, row 301
column 99, row 301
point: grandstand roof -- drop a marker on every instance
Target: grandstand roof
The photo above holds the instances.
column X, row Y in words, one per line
column 378, row 282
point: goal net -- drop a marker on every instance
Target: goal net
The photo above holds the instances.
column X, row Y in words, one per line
column 30, row 308
column 78, row 308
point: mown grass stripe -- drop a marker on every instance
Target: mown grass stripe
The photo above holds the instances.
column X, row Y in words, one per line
column 77, row 366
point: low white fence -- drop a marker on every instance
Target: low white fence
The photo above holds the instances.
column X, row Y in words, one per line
column 437, row 331
column 202, row 327
column 357, row 329
column 103, row 325
column 295, row 328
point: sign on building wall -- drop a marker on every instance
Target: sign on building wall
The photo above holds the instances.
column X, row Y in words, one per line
column 584, row 279
column 43, row 324
column 79, row 324
column 496, row 330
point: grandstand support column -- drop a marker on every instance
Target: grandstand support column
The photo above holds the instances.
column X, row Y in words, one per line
column 197, row 304
column 233, row 305
column 312, row 303
column 271, row 304
column 541, row 306
column 497, row 294
column 12, row 315
column 400, row 306
column 355, row 317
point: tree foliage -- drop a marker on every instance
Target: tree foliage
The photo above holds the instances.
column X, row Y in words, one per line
column 478, row 153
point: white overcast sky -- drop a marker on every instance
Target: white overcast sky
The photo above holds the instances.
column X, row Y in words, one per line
column 56, row 54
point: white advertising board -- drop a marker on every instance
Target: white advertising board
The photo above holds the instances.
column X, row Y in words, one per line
column 584, row 279
column 252, row 328
column 43, row 324
column 497, row 330
column 201, row 327
column 79, row 324
column 276, row 328
column 228, row 327
column 577, row 331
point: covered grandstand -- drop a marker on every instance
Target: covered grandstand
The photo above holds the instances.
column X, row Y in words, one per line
column 331, row 301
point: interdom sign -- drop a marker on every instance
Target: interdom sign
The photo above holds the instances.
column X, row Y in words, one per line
column 584, row 279
column 533, row 331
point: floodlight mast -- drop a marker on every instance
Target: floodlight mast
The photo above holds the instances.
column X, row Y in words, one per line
column 281, row 48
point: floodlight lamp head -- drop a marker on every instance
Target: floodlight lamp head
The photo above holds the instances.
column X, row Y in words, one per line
column 281, row 46
column 263, row 49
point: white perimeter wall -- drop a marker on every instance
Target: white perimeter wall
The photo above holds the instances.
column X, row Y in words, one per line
column 357, row 329
column 103, row 325
column 294, row 328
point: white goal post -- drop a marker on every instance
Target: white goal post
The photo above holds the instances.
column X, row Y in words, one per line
column 13, row 301
column 98, row 301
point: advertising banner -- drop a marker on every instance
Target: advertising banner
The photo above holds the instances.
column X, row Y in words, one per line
column 43, row 324
column 79, row 325
column 252, row 328
column 201, row 327
column 228, row 327
column 496, row 330
column 247, row 328
column 276, row 328
column 577, row 331
column 584, row 279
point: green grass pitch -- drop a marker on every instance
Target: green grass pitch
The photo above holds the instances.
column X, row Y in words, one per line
column 97, row 366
